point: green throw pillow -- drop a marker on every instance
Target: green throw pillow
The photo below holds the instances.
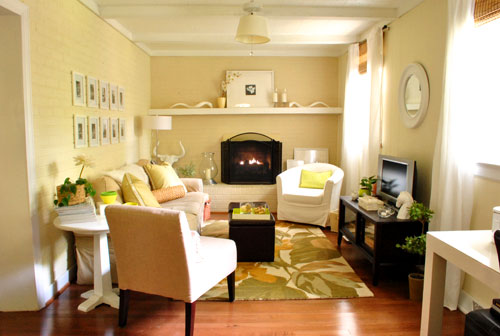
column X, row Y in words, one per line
column 314, row 180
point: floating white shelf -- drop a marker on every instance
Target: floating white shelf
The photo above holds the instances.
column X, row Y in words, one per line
column 247, row 110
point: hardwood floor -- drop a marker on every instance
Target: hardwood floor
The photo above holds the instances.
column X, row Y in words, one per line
column 389, row 312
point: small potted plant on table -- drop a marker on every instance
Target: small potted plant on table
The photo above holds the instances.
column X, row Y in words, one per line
column 367, row 186
column 72, row 193
column 416, row 245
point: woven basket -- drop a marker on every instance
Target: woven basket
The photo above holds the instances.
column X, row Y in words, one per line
column 77, row 198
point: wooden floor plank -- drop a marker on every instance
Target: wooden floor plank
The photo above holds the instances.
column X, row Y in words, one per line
column 389, row 312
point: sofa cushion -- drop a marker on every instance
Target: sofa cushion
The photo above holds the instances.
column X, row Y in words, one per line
column 192, row 203
column 305, row 196
column 136, row 190
column 162, row 176
column 133, row 169
column 315, row 180
column 167, row 194
column 106, row 183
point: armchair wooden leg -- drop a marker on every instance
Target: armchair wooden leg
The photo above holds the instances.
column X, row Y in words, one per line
column 230, row 286
column 123, row 309
column 190, row 313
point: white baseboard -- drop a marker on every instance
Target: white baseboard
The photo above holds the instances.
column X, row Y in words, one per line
column 467, row 303
column 50, row 291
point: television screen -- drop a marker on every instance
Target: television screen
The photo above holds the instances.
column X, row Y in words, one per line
column 394, row 176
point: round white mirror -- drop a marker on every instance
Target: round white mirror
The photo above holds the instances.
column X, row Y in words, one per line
column 413, row 95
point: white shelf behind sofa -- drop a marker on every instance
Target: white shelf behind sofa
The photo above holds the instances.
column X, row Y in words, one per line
column 247, row 110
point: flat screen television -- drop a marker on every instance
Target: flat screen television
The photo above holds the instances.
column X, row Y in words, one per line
column 394, row 176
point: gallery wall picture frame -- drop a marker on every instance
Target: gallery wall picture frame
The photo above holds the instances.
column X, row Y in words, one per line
column 94, row 134
column 113, row 97
column 92, row 92
column 80, row 130
column 250, row 88
column 78, row 85
column 104, row 131
column 103, row 95
column 123, row 130
column 121, row 98
column 114, row 130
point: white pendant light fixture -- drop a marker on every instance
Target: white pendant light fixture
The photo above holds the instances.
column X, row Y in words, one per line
column 252, row 28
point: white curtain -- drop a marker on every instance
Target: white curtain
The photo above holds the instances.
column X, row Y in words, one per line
column 453, row 168
column 361, row 119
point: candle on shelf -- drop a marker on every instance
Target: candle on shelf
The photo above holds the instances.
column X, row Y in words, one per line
column 275, row 97
column 284, row 97
column 207, row 174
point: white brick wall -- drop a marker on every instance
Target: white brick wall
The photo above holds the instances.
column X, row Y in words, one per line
column 222, row 194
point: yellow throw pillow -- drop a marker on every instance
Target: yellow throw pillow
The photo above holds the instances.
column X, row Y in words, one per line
column 163, row 176
column 167, row 194
column 314, row 180
column 137, row 191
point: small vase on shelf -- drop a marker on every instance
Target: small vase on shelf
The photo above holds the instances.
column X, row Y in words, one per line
column 221, row 102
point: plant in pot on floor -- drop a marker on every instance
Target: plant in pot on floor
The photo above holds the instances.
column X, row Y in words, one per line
column 366, row 186
column 416, row 245
column 72, row 193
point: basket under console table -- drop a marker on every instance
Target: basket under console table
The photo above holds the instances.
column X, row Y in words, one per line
column 376, row 237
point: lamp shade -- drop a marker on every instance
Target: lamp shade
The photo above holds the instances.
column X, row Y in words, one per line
column 252, row 29
column 157, row 122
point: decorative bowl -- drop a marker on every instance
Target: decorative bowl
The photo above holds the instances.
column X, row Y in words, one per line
column 109, row 197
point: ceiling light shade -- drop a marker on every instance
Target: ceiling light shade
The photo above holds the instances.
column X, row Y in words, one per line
column 158, row 122
column 252, row 29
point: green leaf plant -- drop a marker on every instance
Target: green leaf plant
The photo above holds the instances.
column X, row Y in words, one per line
column 416, row 244
column 69, row 188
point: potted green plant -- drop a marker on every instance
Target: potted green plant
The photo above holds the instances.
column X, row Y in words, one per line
column 416, row 245
column 366, row 185
column 71, row 193
column 188, row 170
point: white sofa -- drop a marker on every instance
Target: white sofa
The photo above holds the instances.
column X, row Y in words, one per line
column 305, row 205
column 192, row 204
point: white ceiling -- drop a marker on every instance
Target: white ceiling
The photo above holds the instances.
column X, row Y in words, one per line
column 208, row 27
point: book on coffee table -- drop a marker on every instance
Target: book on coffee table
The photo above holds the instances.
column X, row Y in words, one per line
column 252, row 211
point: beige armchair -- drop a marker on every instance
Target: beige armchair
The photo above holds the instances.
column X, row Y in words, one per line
column 156, row 253
column 304, row 205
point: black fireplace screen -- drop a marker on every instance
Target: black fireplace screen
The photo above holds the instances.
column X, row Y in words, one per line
column 250, row 158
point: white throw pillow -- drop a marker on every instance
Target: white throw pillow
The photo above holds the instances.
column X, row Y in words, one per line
column 132, row 169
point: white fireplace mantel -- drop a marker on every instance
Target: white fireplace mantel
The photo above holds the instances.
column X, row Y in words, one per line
column 247, row 110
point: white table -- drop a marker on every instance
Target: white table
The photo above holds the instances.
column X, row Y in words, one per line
column 472, row 251
column 103, row 291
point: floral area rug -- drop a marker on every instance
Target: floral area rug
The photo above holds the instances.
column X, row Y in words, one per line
column 306, row 266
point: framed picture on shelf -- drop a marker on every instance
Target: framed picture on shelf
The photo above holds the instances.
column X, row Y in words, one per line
column 93, row 131
column 121, row 99
column 123, row 130
column 92, row 92
column 80, row 131
column 104, row 95
column 250, row 88
column 114, row 130
column 104, row 130
column 78, row 88
column 113, row 97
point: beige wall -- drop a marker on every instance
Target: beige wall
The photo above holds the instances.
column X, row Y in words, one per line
column 66, row 37
column 420, row 36
column 194, row 79
column 17, row 271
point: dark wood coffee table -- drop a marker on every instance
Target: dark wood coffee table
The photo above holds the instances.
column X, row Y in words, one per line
column 254, row 238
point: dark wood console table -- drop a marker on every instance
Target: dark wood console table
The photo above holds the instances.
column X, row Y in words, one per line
column 376, row 237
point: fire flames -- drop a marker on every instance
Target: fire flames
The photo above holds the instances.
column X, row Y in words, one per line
column 253, row 161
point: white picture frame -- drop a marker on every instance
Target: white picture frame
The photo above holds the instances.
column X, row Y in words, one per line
column 113, row 97
column 123, row 130
column 121, row 98
column 114, row 130
column 103, row 95
column 92, row 92
column 80, row 130
column 104, row 130
column 78, row 84
column 250, row 88
column 94, row 134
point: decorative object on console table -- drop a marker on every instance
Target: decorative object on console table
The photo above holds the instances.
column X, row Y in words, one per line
column 172, row 158
column 208, row 168
column 367, row 185
column 370, row 203
column 404, row 202
column 416, row 245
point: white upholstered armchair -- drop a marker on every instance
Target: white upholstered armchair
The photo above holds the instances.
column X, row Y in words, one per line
column 305, row 205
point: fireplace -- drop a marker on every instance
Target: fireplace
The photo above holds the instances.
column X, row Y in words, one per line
column 250, row 158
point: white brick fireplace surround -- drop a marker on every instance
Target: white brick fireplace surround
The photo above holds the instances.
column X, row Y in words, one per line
column 222, row 194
